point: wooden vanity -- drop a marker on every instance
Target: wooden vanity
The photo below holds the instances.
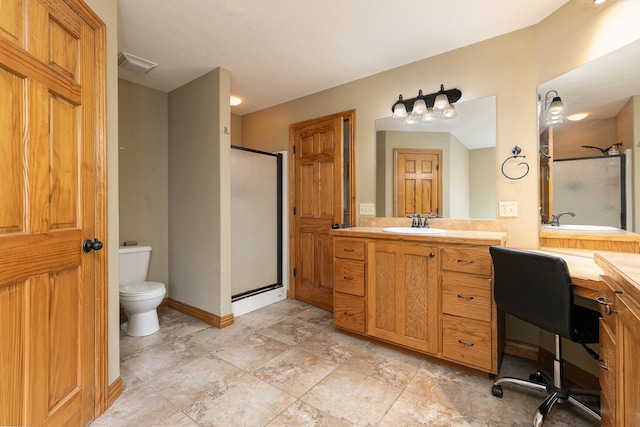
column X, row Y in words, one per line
column 432, row 294
column 619, row 344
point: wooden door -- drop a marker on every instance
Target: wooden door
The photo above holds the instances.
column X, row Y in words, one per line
column 50, row 123
column 402, row 305
column 417, row 182
column 317, row 206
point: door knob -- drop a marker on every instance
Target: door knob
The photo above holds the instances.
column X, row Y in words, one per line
column 87, row 245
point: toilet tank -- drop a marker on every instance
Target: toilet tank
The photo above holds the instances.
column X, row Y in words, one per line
column 134, row 264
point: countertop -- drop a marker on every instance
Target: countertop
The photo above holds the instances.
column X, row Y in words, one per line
column 624, row 268
column 449, row 236
column 618, row 235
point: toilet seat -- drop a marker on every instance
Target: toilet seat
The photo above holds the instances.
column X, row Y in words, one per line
column 142, row 290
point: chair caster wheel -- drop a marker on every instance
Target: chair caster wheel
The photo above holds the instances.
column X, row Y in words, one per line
column 536, row 378
column 496, row 390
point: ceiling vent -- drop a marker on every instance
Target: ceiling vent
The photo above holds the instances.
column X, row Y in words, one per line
column 134, row 63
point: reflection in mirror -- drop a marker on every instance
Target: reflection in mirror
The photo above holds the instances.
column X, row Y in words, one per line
column 607, row 89
column 467, row 161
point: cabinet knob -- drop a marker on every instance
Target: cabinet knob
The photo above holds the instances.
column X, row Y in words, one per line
column 607, row 306
column 432, row 254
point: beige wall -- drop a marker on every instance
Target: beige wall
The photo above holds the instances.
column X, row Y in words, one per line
column 509, row 67
column 482, row 183
column 143, row 169
column 199, row 193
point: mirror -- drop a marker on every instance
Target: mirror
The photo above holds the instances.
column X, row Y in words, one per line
column 605, row 88
column 468, row 162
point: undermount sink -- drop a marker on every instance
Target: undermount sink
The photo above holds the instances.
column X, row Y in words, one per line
column 413, row 230
column 577, row 227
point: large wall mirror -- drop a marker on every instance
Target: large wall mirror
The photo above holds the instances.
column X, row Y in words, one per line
column 467, row 163
column 582, row 169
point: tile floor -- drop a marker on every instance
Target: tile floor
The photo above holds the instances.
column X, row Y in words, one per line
column 286, row 365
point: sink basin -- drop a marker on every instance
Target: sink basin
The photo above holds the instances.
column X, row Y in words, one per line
column 576, row 227
column 414, row 231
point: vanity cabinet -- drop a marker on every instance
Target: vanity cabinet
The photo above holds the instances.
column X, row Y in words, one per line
column 468, row 310
column 434, row 297
column 402, row 295
column 619, row 344
column 349, row 270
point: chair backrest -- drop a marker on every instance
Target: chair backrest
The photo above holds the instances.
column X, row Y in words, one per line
column 534, row 287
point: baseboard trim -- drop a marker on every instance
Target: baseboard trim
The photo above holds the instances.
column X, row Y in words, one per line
column 114, row 391
column 203, row 316
column 522, row 349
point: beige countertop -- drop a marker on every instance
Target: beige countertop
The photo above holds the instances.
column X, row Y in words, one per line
column 624, row 268
column 449, row 236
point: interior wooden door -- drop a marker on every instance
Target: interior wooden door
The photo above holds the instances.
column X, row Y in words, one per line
column 49, row 60
column 417, row 182
column 318, row 205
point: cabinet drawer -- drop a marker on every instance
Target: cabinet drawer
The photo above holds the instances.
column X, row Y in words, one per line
column 467, row 341
column 349, row 249
column 467, row 260
column 348, row 277
column 607, row 368
column 348, row 312
column 466, row 296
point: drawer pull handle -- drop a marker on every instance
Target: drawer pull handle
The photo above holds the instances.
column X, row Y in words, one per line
column 348, row 277
column 467, row 297
column 607, row 306
column 348, row 250
column 604, row 367
column 468, row 344
column 346, row 313
column 465, row 261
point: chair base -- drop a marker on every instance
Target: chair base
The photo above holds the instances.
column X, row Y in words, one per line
column 541, row 381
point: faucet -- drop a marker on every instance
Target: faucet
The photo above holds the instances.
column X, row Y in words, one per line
column 420, row 221
column 555, row 219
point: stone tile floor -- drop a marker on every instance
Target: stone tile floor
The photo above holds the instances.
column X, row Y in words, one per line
column 286, row 365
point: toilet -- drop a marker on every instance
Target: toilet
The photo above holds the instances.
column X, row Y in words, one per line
column 139, row 298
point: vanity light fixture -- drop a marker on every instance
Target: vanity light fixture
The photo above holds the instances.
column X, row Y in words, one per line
column 599, row 1
column 554, row 107
column 423, row 107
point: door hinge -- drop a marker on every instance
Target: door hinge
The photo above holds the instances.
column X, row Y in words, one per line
column 294, row 149
column 294, row 272
column 294, row 210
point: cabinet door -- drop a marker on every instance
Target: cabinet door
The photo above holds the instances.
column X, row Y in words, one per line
column 402, row 306
column 628, row 367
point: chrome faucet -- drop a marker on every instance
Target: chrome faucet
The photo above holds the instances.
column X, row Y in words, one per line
column 555, row 219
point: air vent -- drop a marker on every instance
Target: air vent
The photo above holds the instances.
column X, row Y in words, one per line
column 134, row 63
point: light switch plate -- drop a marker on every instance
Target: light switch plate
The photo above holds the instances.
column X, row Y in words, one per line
column 508, row 209
column 367, row 209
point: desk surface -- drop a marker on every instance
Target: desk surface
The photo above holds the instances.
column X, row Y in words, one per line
column 585, row 273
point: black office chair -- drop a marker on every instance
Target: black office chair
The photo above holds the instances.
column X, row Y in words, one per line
column 536, row 288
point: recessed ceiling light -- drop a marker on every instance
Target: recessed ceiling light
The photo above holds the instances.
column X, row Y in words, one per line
column 598, row 1
column 234, row 100
column 577, row 116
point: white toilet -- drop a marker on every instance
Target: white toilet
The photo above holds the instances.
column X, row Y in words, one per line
column 139, row 298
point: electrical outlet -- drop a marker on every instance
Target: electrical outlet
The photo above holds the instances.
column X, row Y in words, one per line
column 367, row 209
column 508, row 209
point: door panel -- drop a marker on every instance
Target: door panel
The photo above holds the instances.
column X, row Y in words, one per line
column 48, row 286
column 417, row 182
column 318, row 205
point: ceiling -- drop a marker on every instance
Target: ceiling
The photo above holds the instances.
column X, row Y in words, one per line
column 279, row 50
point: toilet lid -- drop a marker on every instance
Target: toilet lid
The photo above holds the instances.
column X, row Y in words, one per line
column 141, row 288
